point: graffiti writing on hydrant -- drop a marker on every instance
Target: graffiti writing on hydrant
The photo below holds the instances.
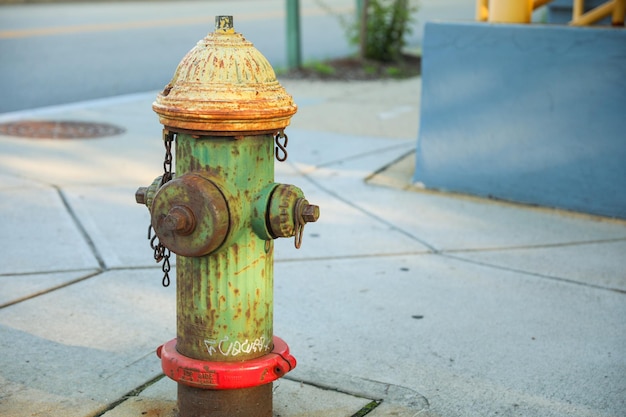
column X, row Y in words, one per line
column 228, row 348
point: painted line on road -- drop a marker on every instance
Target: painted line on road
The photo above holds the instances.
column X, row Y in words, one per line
column 183, row 21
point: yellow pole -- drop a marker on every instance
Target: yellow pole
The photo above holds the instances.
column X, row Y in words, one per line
column 579, row 9
column 619, row 11
column 594, row 15
column 482, row 10
column 510, row 11
column 539, row 3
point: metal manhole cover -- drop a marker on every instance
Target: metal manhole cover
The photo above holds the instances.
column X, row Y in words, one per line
column 47, row 129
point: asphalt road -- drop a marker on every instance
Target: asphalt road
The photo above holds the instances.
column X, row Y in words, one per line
column 63, row 53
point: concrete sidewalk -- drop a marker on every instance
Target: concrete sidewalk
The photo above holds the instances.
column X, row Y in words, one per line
column 412, row 302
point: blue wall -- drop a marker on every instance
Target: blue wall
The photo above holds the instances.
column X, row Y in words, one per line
column 527, row 113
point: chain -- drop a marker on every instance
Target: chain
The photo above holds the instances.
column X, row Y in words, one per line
column 161, row 253
column 168, row 138
column 281, row 148
column 299, row 221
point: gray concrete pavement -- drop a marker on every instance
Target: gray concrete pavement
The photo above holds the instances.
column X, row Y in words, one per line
column 434, row 304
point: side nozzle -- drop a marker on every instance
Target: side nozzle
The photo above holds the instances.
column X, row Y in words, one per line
column 289, row 212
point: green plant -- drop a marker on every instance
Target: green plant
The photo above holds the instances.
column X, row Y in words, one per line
column 386, row 26
column 394, row 72
column 320, row 67
column 370, row 69
column 387, row 22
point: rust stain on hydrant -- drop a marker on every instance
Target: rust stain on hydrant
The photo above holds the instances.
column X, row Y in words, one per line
column 225, row 111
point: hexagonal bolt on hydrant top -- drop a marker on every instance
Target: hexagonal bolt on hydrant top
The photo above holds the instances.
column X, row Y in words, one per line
column 219, row 210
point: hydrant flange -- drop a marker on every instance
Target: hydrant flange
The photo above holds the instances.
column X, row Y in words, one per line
column 226, row 375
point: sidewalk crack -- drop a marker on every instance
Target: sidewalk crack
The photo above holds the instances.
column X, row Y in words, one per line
column 387, row 223
column 81, row 228
column 533, row 274
column 367, row 409
column 48, row 290
column 133, row 393
column 537, row 246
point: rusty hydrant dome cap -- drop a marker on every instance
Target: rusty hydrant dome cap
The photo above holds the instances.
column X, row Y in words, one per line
column 224, row 86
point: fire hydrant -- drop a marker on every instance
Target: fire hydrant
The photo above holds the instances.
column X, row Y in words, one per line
column 219, row 212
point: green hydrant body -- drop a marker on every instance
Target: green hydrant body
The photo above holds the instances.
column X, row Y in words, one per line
column 219, row 213
column 228, row 315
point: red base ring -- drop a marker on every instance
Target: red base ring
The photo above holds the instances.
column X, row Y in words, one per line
column 226, row 375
